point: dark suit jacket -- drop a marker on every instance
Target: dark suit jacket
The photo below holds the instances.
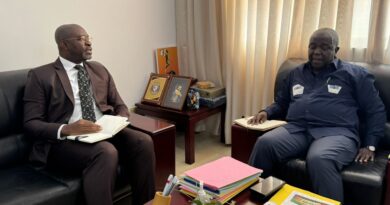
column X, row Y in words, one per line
column 49, row 102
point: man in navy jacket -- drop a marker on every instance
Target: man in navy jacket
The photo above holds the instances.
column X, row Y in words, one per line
column 321, row 100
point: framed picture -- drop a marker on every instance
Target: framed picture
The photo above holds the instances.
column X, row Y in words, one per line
column 155, row 89
column 166, row 59
column 176, row 93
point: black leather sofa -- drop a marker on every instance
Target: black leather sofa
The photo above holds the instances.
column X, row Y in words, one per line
column 364, row 184
column 20, row 181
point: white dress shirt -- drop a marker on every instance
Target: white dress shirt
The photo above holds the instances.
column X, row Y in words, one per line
column 72, row 75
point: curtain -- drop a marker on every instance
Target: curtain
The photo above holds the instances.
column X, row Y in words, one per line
column 240, row 44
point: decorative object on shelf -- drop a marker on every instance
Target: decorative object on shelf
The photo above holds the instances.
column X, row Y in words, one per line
column 193, row 99
column 166, row 59
column 177, row 91
column 155, row 89
column 205, row 84
column 211, row 92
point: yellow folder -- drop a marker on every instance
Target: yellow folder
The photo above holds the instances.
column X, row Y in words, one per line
column 293, row 195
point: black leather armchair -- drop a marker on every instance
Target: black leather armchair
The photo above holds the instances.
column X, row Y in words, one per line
column 20, row 182
column 363, row 183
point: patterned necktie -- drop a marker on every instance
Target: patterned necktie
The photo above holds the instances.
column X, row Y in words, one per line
column 85, row 94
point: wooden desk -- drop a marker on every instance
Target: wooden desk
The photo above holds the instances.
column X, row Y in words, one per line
column 163, row 135
column 186, row 118
column 245, row 197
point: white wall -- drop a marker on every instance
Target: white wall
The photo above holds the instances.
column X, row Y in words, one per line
column 125, row 34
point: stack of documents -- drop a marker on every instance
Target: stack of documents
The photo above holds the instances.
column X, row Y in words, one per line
column 223, row 178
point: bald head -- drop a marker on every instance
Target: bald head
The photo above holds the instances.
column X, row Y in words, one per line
column 67, row 31
column 74, row 43
column 329, row 32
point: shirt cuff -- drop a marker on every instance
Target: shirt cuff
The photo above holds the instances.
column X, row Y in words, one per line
column 59, row 133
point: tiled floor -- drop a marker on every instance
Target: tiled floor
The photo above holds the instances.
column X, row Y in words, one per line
column 207, row 148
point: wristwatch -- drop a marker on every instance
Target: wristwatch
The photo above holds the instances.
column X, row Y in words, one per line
column 371, row 148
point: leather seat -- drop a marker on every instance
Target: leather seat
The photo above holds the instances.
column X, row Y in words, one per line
column 25, row 185
column 20, row 181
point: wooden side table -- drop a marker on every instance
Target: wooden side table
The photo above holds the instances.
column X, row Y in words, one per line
column 186, row 118
column 163, row 135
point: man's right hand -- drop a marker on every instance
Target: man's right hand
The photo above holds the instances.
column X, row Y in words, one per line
column 258, row 118
column 80, row 127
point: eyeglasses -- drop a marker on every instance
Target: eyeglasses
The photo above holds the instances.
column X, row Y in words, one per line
column 80, row 38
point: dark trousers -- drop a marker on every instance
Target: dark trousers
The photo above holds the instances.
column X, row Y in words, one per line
column 98, row 164
column 325, row 157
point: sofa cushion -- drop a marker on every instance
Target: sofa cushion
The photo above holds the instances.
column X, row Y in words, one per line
column 5, row 116
column 14, row 149
column 14, row 146
column 12, row 85
column 25, row 185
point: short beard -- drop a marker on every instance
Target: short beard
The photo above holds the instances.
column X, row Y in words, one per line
column 87, row 57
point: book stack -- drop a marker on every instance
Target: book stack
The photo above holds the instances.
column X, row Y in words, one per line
column 211, row 97
column 223, row 178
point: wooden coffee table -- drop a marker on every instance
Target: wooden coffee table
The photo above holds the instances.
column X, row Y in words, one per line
column 244, row 198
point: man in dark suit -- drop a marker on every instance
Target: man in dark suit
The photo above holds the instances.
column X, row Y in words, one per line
column 64, row 98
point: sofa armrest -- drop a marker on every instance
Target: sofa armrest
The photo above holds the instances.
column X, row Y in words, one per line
column 163, row 134
column 387, row 185
column 243, row 140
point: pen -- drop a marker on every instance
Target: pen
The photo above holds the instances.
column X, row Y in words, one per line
column 175, row 180
column 167, row 184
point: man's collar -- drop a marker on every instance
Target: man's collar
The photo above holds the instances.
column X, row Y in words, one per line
column 334, row 64
column 68, row 64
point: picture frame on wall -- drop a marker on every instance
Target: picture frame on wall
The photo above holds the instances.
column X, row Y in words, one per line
column 176, row 92
column 155, row 89
column 167, row 61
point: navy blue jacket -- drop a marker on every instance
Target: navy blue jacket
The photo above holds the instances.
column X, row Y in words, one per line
column 331, row 102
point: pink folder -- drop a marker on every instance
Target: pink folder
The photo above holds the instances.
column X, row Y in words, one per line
column 222, row 172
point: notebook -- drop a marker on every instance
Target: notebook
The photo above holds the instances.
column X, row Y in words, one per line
column 110, row 126
column 267, row 125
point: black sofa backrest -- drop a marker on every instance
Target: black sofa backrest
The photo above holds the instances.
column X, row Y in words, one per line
column 382, row 83
column 14, row 146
